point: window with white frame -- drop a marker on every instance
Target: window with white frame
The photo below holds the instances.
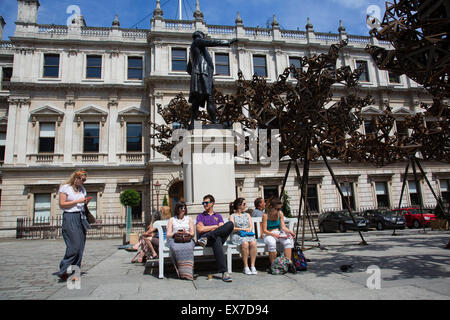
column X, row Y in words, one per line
column 2, row 146
column 260, row 65
column 47, row 137
column 93, row 67
column 92, row 205
column 313, row 198
column 270, row 191
column 296, row 62
column 134, row 137
column 179, row 59
column 445, row 189
column 42, row 207
column 51, row 65
column 91, row 137
column 135, row 67
column 365, row 70
column 222, row 64
column 393, row 77
column 382, row 193
column 414, row 193
column 348, row 195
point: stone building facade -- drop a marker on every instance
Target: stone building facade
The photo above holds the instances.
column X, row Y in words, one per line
column 82, row 97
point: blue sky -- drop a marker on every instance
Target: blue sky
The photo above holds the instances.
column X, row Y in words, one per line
column 291, row 14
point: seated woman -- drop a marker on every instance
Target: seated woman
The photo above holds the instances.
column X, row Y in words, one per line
column 243, row 225
column 182, row 253
column 149, row 240
column 275, row 231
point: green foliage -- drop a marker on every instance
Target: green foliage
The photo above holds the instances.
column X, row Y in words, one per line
column 286, row 204
column 130, row 198
column 165, row 202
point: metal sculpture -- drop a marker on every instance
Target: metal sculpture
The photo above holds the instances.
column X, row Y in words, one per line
column 312, row 126
column 419, row 32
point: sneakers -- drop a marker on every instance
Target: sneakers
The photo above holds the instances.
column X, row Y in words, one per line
column 247, row 271
column 202, row 242
column 250, row 271
column 226, row 277
column 253, row 270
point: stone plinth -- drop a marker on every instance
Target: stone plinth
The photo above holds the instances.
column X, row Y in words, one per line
column 209, row 168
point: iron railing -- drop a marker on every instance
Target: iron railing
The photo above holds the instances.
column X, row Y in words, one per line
column 51, row 228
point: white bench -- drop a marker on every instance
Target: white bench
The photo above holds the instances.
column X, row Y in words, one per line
column 228, row 248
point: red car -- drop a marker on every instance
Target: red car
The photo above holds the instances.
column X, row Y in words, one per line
column 414, row 218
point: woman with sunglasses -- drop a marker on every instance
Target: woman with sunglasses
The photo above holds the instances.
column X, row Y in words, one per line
column 72, row 198
column 243, row 234
column 275, row 231
column 182, row 253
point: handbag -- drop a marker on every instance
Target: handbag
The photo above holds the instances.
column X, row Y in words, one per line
column 89, row 216
column 182, row 237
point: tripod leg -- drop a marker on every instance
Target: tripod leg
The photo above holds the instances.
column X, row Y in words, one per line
column 401, row 195
column 419, row 192
column 438, row 200
column 285, row 177
column 363, row 242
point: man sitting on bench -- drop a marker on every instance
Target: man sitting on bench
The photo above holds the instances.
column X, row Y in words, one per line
column 212, row 232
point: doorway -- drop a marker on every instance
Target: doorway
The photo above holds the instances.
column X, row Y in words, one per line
column 176, row 193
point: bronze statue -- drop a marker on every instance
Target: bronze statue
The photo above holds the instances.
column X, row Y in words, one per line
column 201, row 69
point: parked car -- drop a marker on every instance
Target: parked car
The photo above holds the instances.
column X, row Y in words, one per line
column 414, row 218
column 341, row 220
column 384, row 219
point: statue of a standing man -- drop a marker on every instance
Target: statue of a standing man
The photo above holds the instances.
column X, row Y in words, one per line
column 201, row 69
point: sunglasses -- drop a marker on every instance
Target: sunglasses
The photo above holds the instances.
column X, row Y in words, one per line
column 205, row 203
column 182, row 208
column 82, row 179
column 278, row 209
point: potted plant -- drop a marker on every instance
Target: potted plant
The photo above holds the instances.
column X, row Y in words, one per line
column 129, row 198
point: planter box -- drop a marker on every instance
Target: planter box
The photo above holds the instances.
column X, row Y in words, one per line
column 439, row 224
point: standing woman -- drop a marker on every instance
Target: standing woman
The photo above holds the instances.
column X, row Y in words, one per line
column 182, row 253
column 243, row 234
column 72, row 198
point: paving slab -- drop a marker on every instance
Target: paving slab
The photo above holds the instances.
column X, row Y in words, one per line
column 412, row 266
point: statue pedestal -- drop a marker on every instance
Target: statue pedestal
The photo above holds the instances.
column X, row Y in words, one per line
column 209, row 169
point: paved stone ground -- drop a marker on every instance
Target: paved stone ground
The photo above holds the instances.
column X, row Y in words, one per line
column 26, row 266
column 413, row 266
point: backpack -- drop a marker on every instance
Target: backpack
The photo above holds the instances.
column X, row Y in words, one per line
column 280, row 265
column 298, row 259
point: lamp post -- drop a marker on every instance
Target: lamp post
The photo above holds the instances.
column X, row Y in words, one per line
column 157, row 186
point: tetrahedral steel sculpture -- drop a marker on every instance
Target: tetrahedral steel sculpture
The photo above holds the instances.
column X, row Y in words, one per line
column 419, row 32
column 312, row 125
